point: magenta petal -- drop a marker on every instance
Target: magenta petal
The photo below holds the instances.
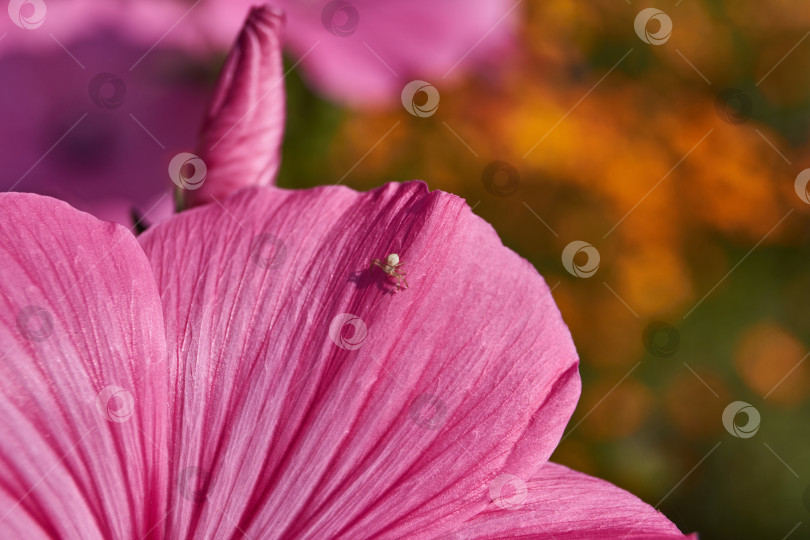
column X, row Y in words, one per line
column 312, row 400
column 83, row 377
column 240, row 140
column 567, row 505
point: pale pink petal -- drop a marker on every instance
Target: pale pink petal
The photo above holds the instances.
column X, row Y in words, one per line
column 364, row 52
column 240, row 140
column 83, row 378
column 144, row 22
column 557, row 502
column 289, row 424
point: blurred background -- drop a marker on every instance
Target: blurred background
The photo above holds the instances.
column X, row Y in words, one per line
column 646, row 157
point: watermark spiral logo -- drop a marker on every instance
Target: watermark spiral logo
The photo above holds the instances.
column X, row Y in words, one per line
column 428, row 411
column 733, row 106
column 801, row 184
column 187, row 171
column 661, row 339
column 508, row 492
column 193, row 483
column 116, row 404
column 108, row 91
column 430, row 96
column 35, row 323
column 27, row 14
column 268, row 251
column 501, row 179
column 751, row 426
column 348, row 331
column 642, row 26
column 340, row 18
column 586, row 269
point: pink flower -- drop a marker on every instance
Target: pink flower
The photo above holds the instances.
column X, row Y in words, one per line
column 237, row 370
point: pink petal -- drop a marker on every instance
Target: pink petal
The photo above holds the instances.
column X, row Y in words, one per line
column 292, row 425
column 82, row 379
column 567, row 505
column 240, row 140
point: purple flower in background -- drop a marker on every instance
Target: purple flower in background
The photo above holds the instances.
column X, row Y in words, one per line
column 361, row 52
column 238, row 371
column 81, row 126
